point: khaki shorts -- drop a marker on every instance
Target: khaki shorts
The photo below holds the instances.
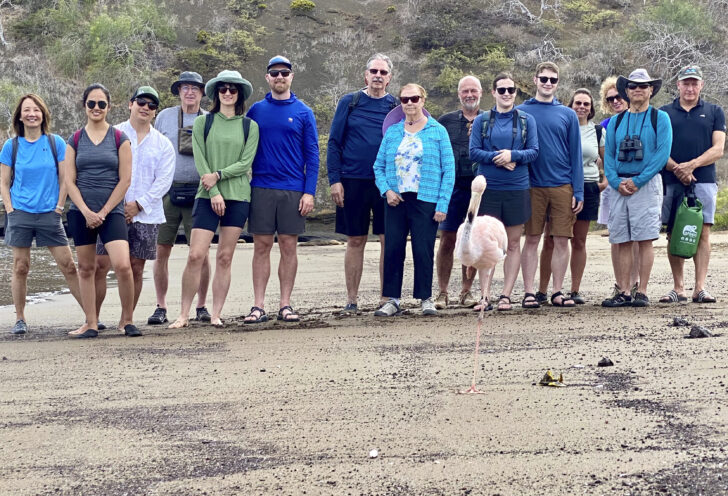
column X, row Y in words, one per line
column 554, row 205
column 174, row 215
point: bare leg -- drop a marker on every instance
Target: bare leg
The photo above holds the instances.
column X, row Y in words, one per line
column 119, row 254
column 513, row 258
column 444, row 259
column 262, row 244
column 614, row 250
column 578, row 253
column 64, row 260
column 560, row 261
column 204, row 282
column 547, row 254
column 288, row 266
column 624, row 265
column 160, row 270
column 677, row 266
column 137, row 270
column 86, row 255
column 200, row 240
column 635, row 274
column 227, row 241
column 19, row 284
column 647, row 257
column 702, row 259
column 354, row 265
column 529, row 261
column 103, row 265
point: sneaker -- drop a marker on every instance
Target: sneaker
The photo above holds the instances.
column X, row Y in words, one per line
column 467, row 300
column 389, row 309
column 428, row 307
column 20, row 327
column 203, row 315
column 633, row 291
column 541, row 298
column 577, row 297
column 442, row 301
column 640, row 300
column 350, row 309
column 159, row 317
column 619, row 300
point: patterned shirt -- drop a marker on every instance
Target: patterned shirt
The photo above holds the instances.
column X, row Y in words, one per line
column 408, row 161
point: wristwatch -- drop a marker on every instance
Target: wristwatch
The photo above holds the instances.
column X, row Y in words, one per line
column 60, row 207
column 219, row 175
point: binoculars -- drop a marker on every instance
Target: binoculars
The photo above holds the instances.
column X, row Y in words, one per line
column 629, row 145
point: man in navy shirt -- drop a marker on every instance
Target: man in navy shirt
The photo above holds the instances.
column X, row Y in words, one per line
column 698, row 139
column 354, row 139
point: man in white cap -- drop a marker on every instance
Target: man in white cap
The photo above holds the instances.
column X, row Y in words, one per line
column 698, row 140
column 637, row 148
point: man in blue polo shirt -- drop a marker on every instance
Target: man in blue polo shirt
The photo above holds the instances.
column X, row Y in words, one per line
column 354, row 139
column 699, row 132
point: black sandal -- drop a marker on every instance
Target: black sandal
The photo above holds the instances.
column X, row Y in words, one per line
column 287, row 317
column 504, row 300
column 532, row 303
column 260, row 318
column 564, row 299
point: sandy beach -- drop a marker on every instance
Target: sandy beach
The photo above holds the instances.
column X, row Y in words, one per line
column 297, row 408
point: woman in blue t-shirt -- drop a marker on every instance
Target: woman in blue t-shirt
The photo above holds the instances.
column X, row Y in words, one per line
column 34, row 195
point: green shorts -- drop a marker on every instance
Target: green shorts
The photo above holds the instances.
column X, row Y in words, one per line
column 174, row 215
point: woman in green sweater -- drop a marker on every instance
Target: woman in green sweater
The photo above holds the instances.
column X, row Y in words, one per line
column 224, row 145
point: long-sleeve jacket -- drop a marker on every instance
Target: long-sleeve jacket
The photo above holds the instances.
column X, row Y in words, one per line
column 437, row 172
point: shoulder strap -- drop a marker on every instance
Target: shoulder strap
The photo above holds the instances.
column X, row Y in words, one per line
column 246, row 129
column 208, row 124
column 490, row 118
column 117, row 138
column 524, row 126
column 394, row 103
column 76, row 139
column 52, row 141
column 653, row 118
column 620, row 116
column 355, row 96
column 179, row 118
column 598, row 128
column 14, row 154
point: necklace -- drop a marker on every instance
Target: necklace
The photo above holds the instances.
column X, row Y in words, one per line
column 415, row 122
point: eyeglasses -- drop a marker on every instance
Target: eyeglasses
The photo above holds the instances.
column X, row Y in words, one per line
column 407, row 99
column 510, row 90
column 275, row 74
column 189, row 87
column 612, row 99
column 582, row 104
column 634, row 86
column 91, row 104
column 143, row 101
column 383, row 72
column 546, row 79
column 233, row 90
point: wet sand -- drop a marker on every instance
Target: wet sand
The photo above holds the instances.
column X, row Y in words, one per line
column 296, row 408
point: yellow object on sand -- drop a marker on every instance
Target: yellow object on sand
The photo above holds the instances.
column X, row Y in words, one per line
column 550, row 380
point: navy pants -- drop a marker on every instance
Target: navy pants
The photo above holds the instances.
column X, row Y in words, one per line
column 414, row 217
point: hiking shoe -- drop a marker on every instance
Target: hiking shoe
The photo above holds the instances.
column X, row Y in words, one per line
column 159, row 317
column 633, row 291
column 640, row 300
column 20, row 327
column 350, row 309
column 132, row 331
column 428, row 307
column 577, row 297
column 203, row 315
column 442, row 301
column 467, row 300
column 616, row 290
column 620, row 300
column 389, row 309
column 541, row 298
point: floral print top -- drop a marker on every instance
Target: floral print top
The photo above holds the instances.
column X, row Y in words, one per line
column 408, row 160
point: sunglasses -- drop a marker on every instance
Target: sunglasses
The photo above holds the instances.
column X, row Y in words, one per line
column 546, row 79
column 233, row 90
column 383, row 72
column 275, row 74
column 91, row 104
column 582, row 104
column 143, row 101
column 612, row 99
column 407, row 99
column 634, row 86
column 510, row 90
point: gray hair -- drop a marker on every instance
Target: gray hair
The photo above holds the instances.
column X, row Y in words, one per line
column 380, row 56
column 465, row 78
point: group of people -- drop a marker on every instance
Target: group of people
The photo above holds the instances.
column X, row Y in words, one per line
column 550, row 171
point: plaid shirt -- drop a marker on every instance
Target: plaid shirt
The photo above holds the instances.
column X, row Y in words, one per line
column 437, row 175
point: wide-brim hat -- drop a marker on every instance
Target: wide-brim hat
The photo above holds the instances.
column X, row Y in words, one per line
column 232, row 77
column 187, row 77
column 637, row 76
column 396, row 115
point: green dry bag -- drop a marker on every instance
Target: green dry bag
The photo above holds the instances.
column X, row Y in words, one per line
column 687, row 228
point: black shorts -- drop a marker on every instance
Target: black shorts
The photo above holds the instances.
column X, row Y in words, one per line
column 457, row 210
column 512, row 208
column 204, row 217
column 362, row 202
column 113, row 229
column 591, row 202
column 275, row 210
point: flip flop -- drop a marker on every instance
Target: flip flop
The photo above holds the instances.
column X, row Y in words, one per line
column 703, row 297
column 288, row 316
column 257, row 318
column 673, row 297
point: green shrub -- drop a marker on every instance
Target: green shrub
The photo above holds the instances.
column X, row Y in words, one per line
column 721, row 211
column 391, row 9
column 601, row 19
column 302, row 6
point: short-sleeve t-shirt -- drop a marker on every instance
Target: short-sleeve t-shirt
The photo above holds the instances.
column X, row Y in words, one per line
column 35, row 184
column 590, row 151
column 97, row 169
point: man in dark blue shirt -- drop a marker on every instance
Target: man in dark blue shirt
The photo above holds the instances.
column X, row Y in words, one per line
column 354, row 139
column 699, row 131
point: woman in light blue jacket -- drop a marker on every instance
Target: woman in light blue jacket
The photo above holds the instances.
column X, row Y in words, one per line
column 415, row 171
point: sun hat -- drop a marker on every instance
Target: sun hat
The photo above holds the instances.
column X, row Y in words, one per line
column 146, row 91
column 690, row 72
column 279, row 60
column 232, row 77
column 637, row 76
column 187, row 77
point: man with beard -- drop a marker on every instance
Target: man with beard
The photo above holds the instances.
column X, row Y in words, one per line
column 458, row 124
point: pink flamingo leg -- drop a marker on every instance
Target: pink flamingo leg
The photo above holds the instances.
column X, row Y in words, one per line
column 473, row 389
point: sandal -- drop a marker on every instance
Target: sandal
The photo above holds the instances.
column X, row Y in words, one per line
column 256, row 316
column 504, row 303
column 673, row 297
column 291, row 316
column 564, row 299
column 703, row 297
column 530, row 301
column 488, row 307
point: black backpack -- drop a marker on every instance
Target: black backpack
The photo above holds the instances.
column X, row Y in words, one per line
column 14, row 154
column 208, row 125
column 653, row 119
column 355, row 96
column 517, row 116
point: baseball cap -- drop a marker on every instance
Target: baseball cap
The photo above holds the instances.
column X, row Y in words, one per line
column 146, row 91
column 279, row 60
column 690, row 72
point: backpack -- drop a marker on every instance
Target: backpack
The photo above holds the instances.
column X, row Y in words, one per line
column 211, row 117
column 598, row 128
column 517, row 116
column 653, row 119
column 14, row 154
column 355, row 96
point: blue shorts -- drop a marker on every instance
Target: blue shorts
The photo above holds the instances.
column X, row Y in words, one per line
column 456, row 210
column 113, row 229
column 204, row 217
column 47, row 229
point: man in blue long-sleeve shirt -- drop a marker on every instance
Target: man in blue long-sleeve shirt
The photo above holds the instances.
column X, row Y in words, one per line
column 557, row 183
column 637, row 147
column 285, row 171
column 354, row 139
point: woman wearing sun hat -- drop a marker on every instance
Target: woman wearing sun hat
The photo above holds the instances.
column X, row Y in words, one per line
column 224, row 145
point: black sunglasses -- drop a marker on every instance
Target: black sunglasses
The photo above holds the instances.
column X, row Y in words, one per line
column 143, row 101
column 407, row 99
column 611, row 99
column 510, row 90
column 546, row 79
column 383, row 72
column 276, row 73
column 233, row 90
column 582, row 104
column 634, row 86
column 91, row 104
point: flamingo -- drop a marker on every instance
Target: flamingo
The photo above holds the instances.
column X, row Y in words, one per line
column 481, row 243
